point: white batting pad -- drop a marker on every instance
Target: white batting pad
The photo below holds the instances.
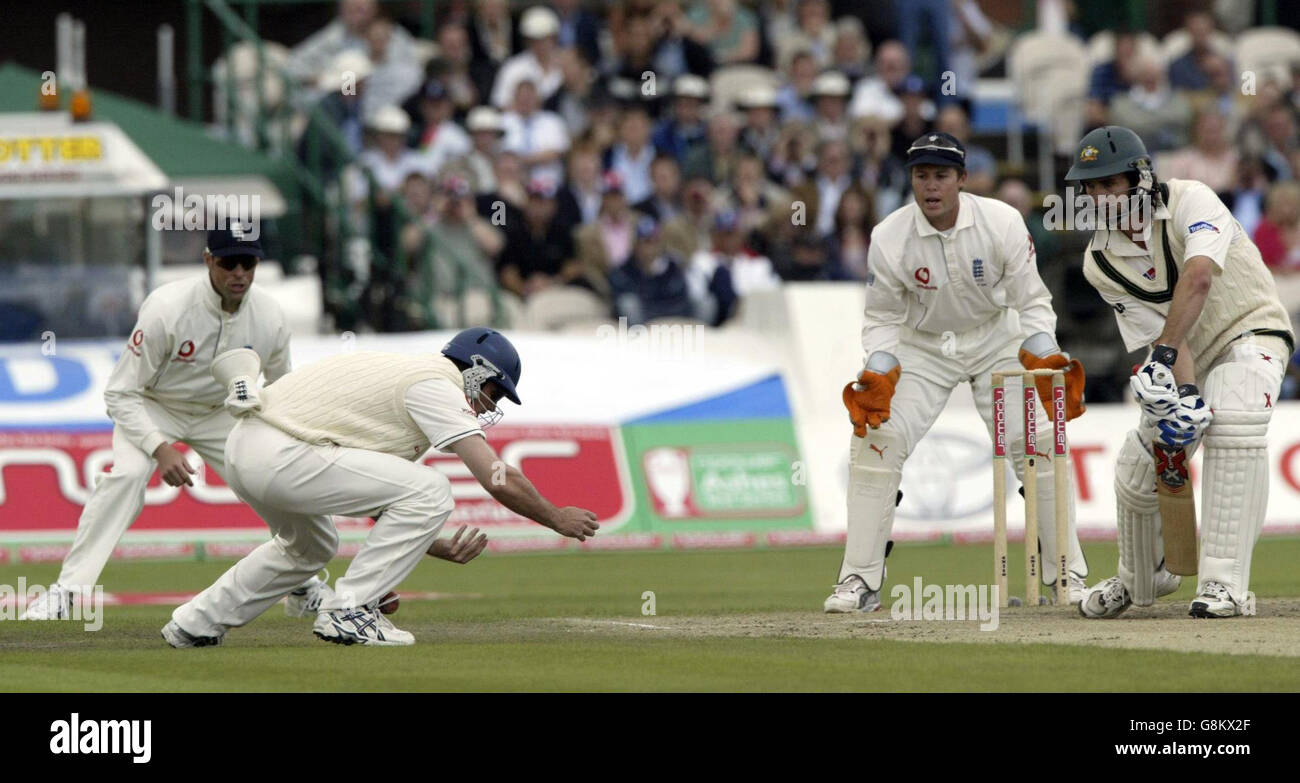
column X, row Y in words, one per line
column 1235, row 496
column 1235, row 488
column 875, row 471
column 1137, row 515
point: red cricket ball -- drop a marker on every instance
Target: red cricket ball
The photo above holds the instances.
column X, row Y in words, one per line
column 388, row 604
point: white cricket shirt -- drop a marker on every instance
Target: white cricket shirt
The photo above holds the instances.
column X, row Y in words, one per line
column 952, row 281
column 179, row 330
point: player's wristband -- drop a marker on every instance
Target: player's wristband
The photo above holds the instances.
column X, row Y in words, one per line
column 1165, row 355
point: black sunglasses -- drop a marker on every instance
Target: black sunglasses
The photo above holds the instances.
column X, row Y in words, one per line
column 230, row 262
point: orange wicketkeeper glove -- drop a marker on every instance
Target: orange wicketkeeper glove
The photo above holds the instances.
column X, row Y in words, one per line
column 869, row 403
column 1073, row 368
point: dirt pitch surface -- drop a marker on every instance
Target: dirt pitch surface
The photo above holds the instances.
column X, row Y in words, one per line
column 1165, row 626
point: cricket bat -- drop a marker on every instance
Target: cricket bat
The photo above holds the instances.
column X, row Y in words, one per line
column 1177, row 510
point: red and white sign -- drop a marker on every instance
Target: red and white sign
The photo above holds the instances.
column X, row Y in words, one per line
column 45, row 479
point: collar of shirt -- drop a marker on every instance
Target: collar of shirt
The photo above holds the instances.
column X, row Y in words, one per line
column 834, row 185
column 211, row 298
column 965, row 217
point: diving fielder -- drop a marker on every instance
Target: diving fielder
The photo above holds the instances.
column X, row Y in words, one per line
column 1188, row 283
column 161, row 392
column 344, row 436
column 944, row 272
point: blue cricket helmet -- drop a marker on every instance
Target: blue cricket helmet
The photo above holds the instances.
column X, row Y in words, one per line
column 480, row 346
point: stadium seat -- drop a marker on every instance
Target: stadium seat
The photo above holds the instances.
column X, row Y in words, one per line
column 587, row 327
column 1271, row 49
column 1177, row 43
column 1101, row 48
column 726, row 84
column 554, row 308
column 240, row 63
column 424, row 50
column 1050, row 77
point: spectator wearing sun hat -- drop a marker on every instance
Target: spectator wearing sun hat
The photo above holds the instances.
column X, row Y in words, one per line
column 389, row 161
column 538, row 63
column 762, row 126
column 344, row 109
column 830, row 100
column 485, row 129
column 684, row 127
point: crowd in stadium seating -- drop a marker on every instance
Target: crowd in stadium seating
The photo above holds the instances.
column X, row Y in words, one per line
column 623, row 149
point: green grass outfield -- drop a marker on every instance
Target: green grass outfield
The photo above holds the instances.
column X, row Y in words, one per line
column 573, row 622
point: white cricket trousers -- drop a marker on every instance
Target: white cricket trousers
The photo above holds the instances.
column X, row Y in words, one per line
column 118, row 496
column 296, row 487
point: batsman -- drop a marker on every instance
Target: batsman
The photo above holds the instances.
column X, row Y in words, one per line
column 1186, row 282
column 953, row 293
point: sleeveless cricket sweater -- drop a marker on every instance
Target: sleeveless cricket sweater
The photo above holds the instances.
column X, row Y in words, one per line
column 356, row 400
column 1242, row 297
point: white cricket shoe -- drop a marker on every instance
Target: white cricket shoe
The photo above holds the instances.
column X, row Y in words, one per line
column 1214, row 600
column 852, row 595
column 306, row 600
column 55, row 604
column 179, row 638
column 1077, row 587
column 1109, row 598
column 364, row 625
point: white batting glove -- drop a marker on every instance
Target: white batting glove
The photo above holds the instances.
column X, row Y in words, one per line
column 1154, row 387
column 1185, row 425
column 243, row 398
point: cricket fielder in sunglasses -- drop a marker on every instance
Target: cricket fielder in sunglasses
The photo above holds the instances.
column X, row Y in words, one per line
column 161, row 392
column 944, row 272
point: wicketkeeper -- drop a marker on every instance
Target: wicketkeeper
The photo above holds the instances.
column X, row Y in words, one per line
column 1188, row 283
column 944, row 272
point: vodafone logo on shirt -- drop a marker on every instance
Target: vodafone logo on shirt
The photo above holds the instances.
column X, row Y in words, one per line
column 185, row 353
column 137, row 339
column 922, row 276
